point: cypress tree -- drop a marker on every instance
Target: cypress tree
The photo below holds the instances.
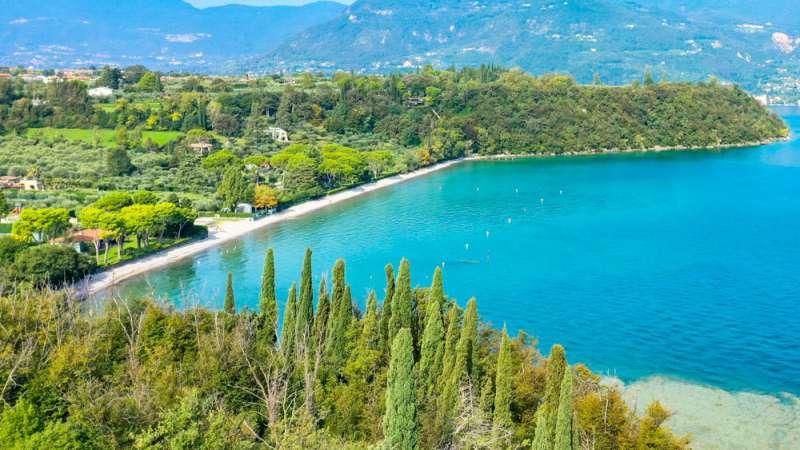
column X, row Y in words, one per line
column 386, row 313
column 340, row 317
column 556, row 365
column 268, row 301
column 323, row 314
column 487, row 396
column 287, row 335
column 467, row 343
column 563, row 438
column 540, row 441
column 450, row 342
column 230, row 301
column 403, row 308
column 400, row 425
column 459, row 373
column 433, row 338
column 503, row 384
column 368, row 340
column 304, row 319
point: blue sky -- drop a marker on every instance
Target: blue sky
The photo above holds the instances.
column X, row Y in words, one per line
column 207, row 3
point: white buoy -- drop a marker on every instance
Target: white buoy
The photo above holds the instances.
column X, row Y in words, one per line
column 477, row 189
column 487, row 234
column 541, row 200
column 509, row 220
column 517, row 190
column 466, row 246
column 560, row 192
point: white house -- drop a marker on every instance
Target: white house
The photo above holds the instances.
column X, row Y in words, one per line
column 101, row 92
column 278, row 134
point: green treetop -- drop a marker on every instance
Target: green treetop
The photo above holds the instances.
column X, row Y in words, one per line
column 5, row 208
column 400, row 425
column 268, row 301
column 233, row 188
column 503, row 384
column 230, row 301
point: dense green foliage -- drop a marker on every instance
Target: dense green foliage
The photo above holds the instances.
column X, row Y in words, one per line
column 138, row 374
column 344, row 130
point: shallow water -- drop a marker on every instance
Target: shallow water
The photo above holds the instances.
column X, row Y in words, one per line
column 684, row 264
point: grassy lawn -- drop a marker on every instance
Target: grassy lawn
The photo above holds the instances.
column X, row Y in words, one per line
column 5, row 228
column 104, row 137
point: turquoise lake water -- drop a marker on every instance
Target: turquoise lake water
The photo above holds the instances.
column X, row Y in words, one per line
column 684, row 264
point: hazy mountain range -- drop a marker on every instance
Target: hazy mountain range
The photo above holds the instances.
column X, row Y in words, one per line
column 164, row 34
column 754, row 43
column 744, row 41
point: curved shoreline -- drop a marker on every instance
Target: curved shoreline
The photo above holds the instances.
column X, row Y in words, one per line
column 236, row 229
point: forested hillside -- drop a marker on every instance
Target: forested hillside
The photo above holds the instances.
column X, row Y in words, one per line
column 343, row 130
column 419, row 372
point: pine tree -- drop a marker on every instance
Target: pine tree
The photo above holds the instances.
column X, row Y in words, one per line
column 369, row 337
column 403, row 308
column 503, row 384
column 304, row 319
column 268, row 301
column 287, row 335
column 433, row 339
column 556, row 365
column 230, row 301
column 400, row 425
column 386, row 313
column 563, row 439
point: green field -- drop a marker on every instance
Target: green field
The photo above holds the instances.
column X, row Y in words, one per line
column 103, row 137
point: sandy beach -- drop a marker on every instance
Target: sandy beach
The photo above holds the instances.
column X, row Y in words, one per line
column 229, row 230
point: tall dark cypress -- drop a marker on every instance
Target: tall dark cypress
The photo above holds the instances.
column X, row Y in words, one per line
column 433, row 337
column 287, row 332
column 556, row 365
column 305, row 307
column 400, row 422
column 339, row 320
column 461, row 372
column 504, row 384
column 403, row 307
column 268, row 301
column 386, row 312
column 322, row 317
column 369, row 338
column 230, row 301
